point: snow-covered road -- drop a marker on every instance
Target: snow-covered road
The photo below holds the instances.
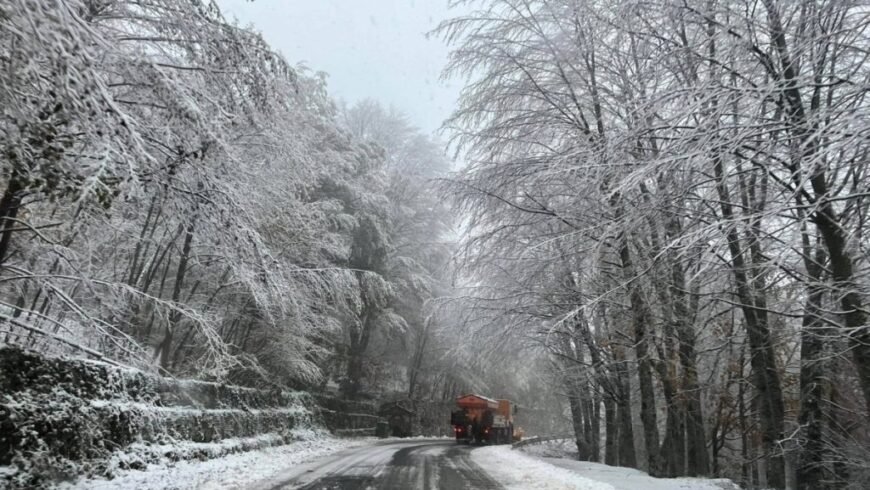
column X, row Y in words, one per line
column 319, row 463
column 429, row 464
column 410, row 464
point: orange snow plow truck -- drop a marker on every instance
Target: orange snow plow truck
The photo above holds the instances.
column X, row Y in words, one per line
column 480, row 419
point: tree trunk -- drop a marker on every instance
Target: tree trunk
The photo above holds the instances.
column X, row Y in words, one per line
column 611, row 433
column 640, row 320
column 416, row 366
column 575, row 404
column 673, row 448
column 762, row 357
column 134, row 268
column 10, row 204
column 696, row 441
column 810, row 471
column 359, row 342
column 626, row 453
column 594, row 436
column 842, row 271
column 745, row 465
column 592, row 384
column 164, row 349
column 681, row 398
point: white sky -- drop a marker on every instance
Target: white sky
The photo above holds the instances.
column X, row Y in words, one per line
column 369, row 48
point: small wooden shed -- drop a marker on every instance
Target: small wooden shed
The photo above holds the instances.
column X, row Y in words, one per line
column 400, row 418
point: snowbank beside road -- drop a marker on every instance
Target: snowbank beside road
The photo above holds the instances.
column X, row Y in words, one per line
column 517, row 471
column 229, row 472
column 621, row 478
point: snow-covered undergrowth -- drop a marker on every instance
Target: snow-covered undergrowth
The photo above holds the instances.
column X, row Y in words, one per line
column 229, row 472
column 516, row 470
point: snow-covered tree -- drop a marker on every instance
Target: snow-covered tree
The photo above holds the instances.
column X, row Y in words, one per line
column 641, row 171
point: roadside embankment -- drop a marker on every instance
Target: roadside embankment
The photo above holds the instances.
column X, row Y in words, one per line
column 63, row 418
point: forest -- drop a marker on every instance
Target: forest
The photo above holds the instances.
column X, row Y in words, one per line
column 643, row 220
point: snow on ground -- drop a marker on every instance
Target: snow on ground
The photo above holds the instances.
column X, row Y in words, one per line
column 228, row 472
column 621, row 478
column 516, row 470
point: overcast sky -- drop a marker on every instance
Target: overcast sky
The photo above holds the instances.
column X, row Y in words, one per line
column 369, row 48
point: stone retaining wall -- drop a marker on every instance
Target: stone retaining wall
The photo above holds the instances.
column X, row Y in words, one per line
column 60, row 418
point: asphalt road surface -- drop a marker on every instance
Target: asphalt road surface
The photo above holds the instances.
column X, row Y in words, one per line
column 414, row 464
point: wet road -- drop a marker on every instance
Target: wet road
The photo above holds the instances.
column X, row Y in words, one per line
column 414, row 464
